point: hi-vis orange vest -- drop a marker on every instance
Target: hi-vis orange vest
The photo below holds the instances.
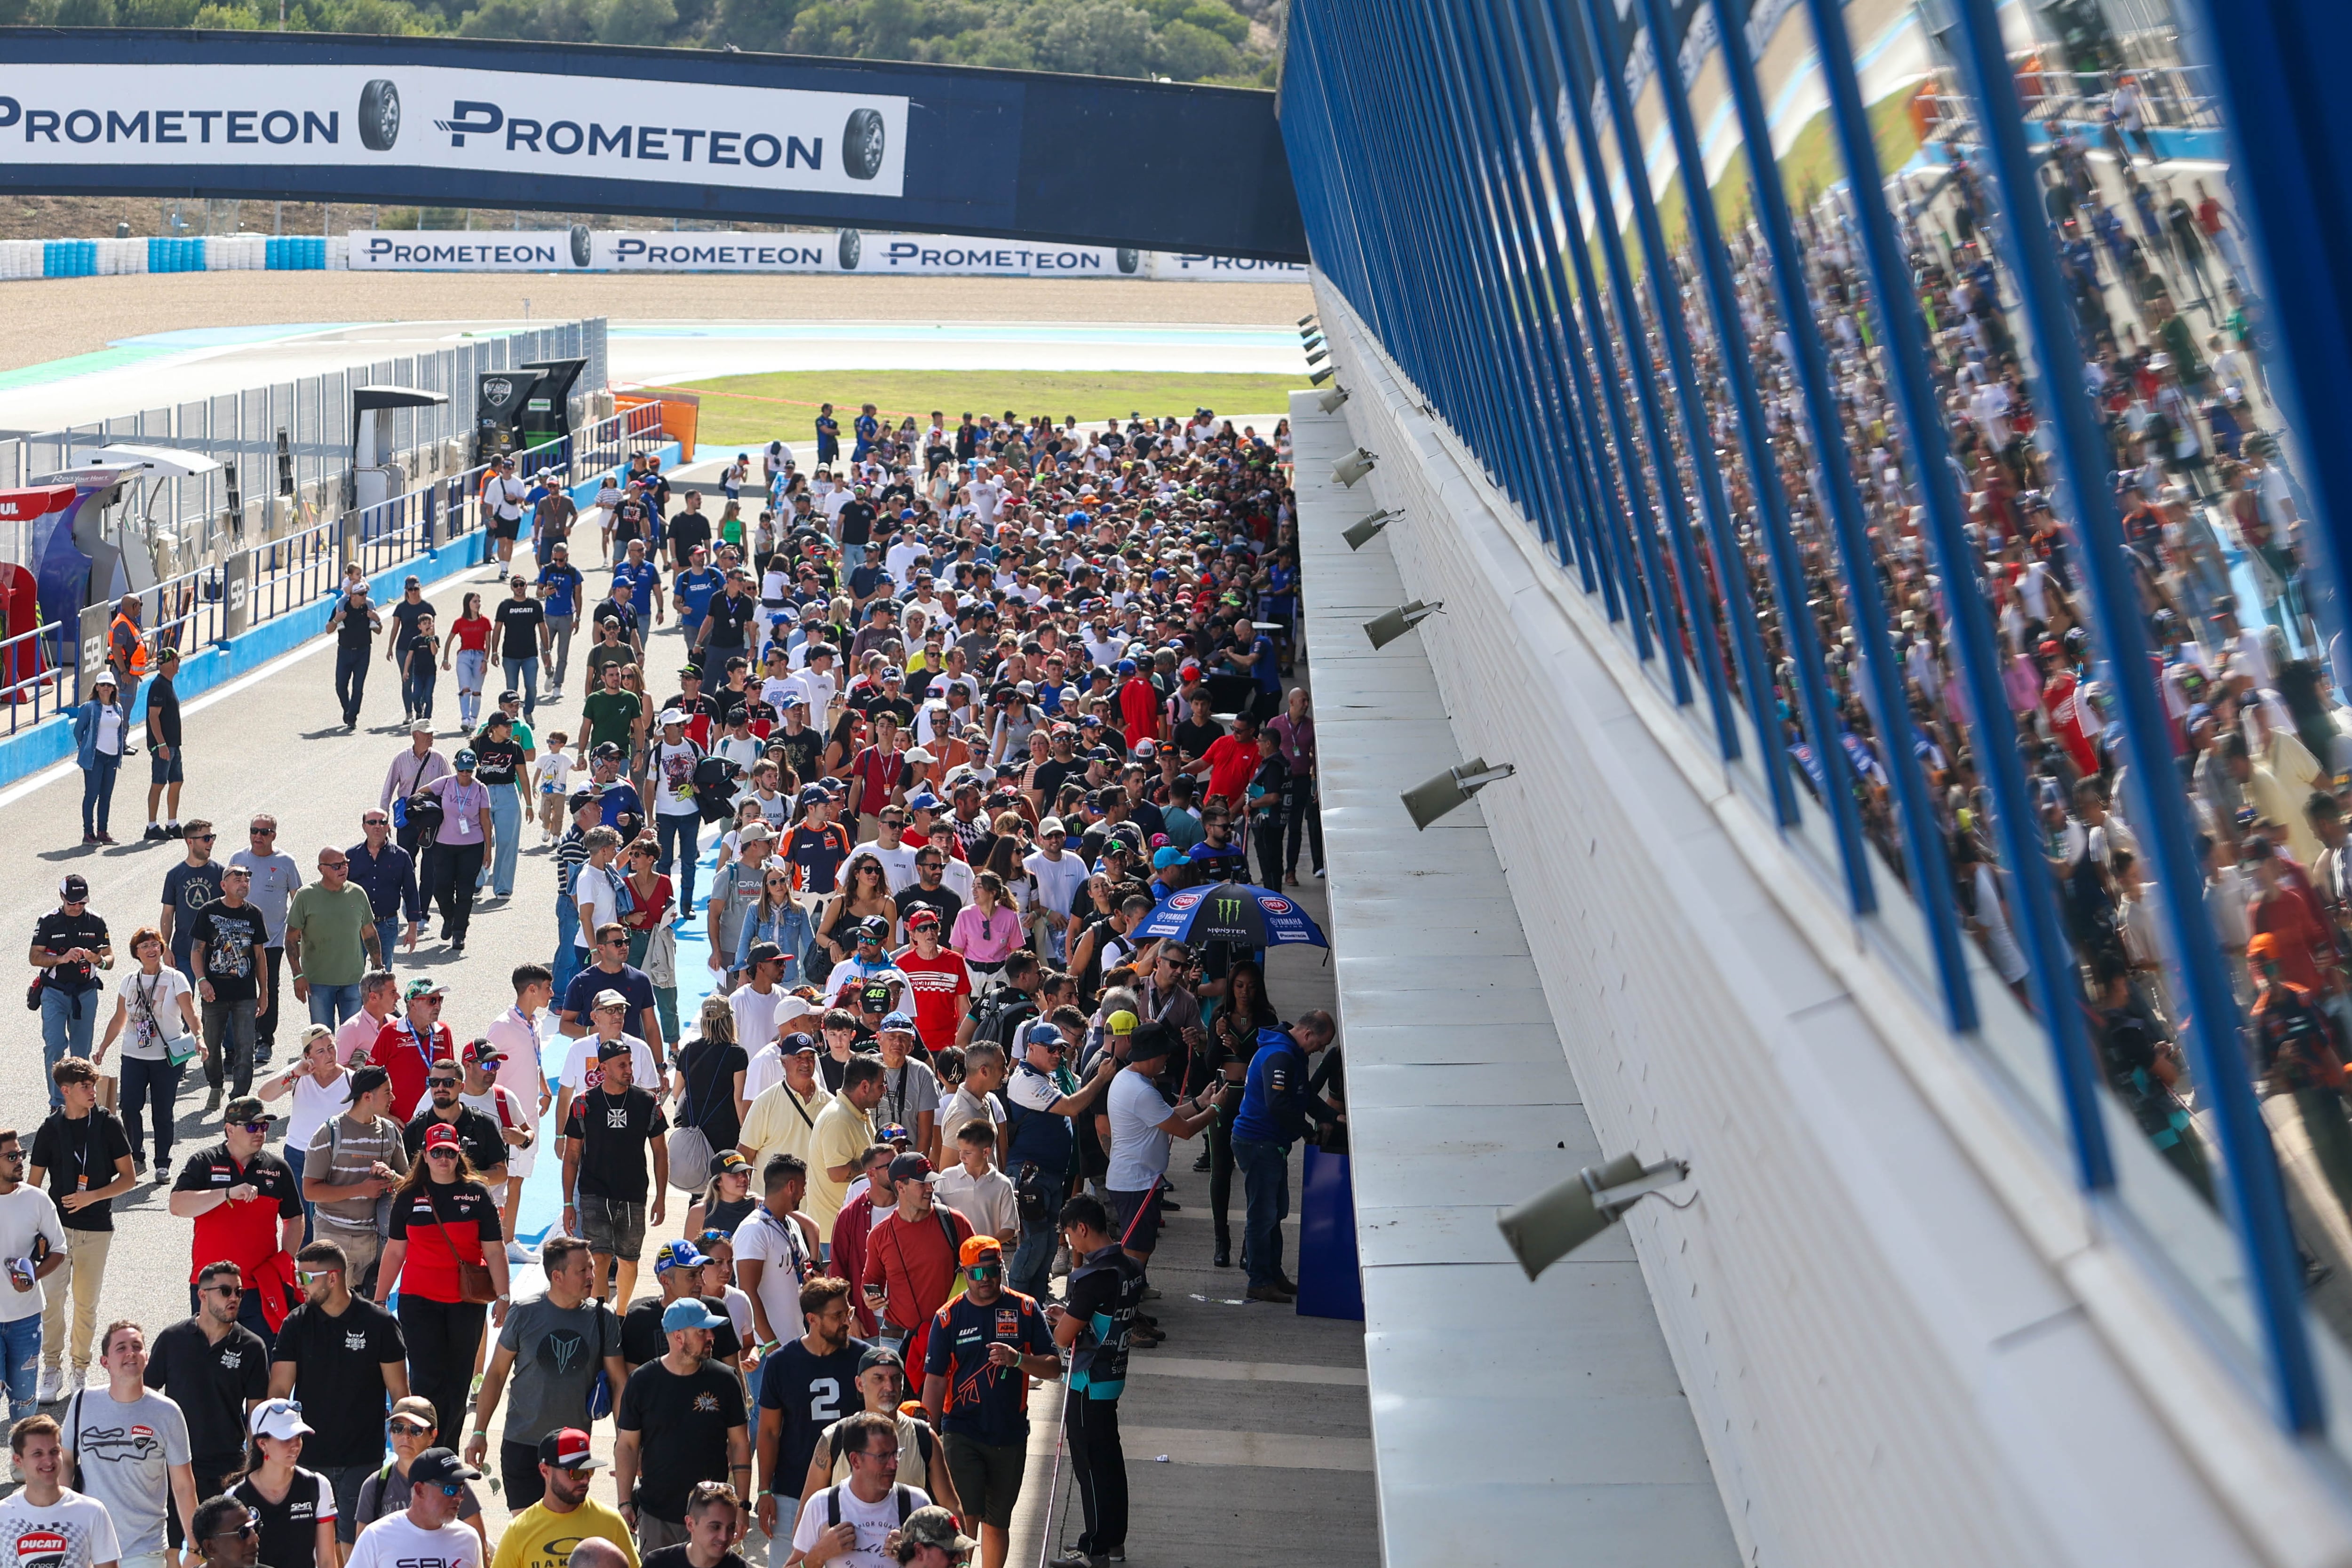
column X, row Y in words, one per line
column 138, row 642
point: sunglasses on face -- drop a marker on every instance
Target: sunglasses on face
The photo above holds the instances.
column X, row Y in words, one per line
column 252, row 1126
column 247, row 1528
column 228, row 1292
column 410, row 1429
column 441, row 1083
column 451, row 1490
column 441, row 1153
column 204, row 837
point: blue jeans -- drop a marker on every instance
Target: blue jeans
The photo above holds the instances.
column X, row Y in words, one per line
column 387, row 936
column 416, row 689
column 1266, row 1176
column 683, row 833
column 853, row 557
column 506, row 823
column 66, row 1025
column 471, row 663
column 20, row 1342
column 330, row 1005
column 523, row 676
column 567, row 950
column 145, row 1086
column 351, row 679
column 98, row 792
column 1033, row 1261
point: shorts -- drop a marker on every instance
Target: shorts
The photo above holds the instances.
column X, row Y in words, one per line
column 163, row 770
column 505, row 528
column 987, row 1477
column 1135, row 1217
column 610, row 1228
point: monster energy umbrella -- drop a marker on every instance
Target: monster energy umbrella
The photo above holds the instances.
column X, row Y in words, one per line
column 1231, row 912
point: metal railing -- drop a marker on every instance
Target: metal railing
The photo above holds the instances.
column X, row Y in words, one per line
column 38, row 673
column 1741, row 472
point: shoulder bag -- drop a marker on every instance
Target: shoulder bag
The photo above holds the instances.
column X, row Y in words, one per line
column 474, row 1286
column 690, row 1147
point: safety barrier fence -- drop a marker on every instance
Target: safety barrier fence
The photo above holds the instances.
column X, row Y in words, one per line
column 1688, row 443
column 46, row 671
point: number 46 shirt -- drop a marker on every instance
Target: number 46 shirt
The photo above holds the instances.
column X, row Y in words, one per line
column 809, row 1393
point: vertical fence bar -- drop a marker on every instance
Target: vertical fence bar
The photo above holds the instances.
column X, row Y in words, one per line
column 2255, row 1198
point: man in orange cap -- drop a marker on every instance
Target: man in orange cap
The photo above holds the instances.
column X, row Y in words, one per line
column 985, row 1345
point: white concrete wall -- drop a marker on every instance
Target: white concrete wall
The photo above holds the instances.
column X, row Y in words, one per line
column 1905, row 1338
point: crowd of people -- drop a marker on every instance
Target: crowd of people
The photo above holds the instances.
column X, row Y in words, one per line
column 2219, row 553
column 951, row 717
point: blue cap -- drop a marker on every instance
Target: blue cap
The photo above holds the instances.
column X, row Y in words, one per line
column 814, row 795
column 900, row 1023
column 464, row 759
column 688, row 1312
column 926, row 802
column 1165, row 856
column 1042, row 1033
column 1126, row 666
column 678, row 1255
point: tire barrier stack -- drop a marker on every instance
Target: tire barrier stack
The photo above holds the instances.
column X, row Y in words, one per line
column 201, row 253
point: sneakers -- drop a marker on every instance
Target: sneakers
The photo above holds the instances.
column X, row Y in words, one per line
column 519, row 1253
column 1074, row 1559
column 138, row 1162
column 53, row 1386
column 1274, row 1293
column 212, row 1100
column 154, row 833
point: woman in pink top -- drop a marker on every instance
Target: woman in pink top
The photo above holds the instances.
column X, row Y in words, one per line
column 986, row 930
column 469, row 645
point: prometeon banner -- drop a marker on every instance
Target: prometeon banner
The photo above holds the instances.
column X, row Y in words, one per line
column 582, row 249
column 687, row 133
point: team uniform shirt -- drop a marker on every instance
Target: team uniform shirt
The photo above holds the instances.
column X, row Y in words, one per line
column 289, row 1528
column 245, row 1233
column 74, row 1532
column 936, row 982
column 1104, row 1291
column 394, row 1541
column 539, row 1537
column 210, row 1383
column 125, row 1452
column 443, row 1223
column 985, row 1401
column 809, row 1393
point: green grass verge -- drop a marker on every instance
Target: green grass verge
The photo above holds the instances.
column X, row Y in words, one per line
column 740, row 410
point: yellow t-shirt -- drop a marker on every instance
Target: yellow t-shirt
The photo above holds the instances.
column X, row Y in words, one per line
column 541, row 1538
column 842, row 1132
column 775, row 1127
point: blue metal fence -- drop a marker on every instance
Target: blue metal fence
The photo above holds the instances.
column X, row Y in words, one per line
column 1753, row 532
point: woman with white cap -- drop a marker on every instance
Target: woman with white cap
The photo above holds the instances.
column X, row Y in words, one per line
column 100, row 728
column 293, row 1508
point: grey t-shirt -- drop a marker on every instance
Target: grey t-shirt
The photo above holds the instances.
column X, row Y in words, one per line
column 557, row 1354
column 355, row 1152
column 126, row 1453
column 908, row 1090
column 275, row 880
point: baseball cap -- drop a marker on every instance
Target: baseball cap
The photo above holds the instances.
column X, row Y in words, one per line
column 245, row 1108
column 607, row 997
column 278, row 1418
column 911, row 1167
column 686, row 1313
column 1165, row 856
column 879, row 1356
column 1042, row 1033
column 74, row 890
column 482, row 1053
column 795, row 1044
column 439, row 1467
column 922, row 917
column 464, row 760
column 758, row 832
column 678, row 1255
column 441, row 1134
column 423, row 986
column 606, row 1050
column 895, row 1023
column 1121, row 1023
column 569, row 1451
column 763, row 953
column 727, row 1160
column 980, row 1249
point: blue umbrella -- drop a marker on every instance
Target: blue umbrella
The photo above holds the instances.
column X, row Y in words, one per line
column 1232, row 912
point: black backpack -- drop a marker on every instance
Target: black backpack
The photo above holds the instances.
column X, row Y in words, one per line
column 425, row 814
column 903, row 1496
column 714, row 788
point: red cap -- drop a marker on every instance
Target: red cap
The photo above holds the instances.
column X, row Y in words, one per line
column 441, row 1132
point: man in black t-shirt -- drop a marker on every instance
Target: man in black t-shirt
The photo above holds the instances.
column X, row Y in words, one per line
column 856, row 528
column 227, row 953
column 69, row 946
column 215, row 1369
column 726, row 625
column 480, row 1135
column 83, row 1156
column 607, row 1134
column 678, row 1270
column 680, row 1421
column 525, row 641
column 340, row 1355
column 686, row 530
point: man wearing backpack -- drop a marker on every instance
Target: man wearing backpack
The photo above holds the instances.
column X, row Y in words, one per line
column 911, row 1258
column 850, row 1523
column 1039, row 1135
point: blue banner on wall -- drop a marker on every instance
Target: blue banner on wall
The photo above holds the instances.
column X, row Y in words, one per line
column 683, row 133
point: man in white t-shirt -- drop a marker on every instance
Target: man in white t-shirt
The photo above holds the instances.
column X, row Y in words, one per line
column 776, row 1251
column 754, row 1004
column 45, row 1523
column 29, row 1229
column 1059, row 876
column 592, row 885
column 857, row 1519
column 677, row 820
column 1141, row 1123
column 608, row 1012
column 767, row 1068
column 427, row 1529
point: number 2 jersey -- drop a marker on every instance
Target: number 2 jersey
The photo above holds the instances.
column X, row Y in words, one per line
column 809, row 1393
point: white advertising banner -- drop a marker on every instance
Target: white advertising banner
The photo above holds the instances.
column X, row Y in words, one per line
column 582, row 249
column 442, row 118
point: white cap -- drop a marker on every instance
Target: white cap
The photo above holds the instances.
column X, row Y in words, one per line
column 279, row 1418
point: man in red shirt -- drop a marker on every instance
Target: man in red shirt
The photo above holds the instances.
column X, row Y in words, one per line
column 1230, row 762
column 853, row 1225
column 1139, row 703
column 912, row 1258
column 247, row 1210
column 876, row 773
column 940, row 978
column 410, row 1044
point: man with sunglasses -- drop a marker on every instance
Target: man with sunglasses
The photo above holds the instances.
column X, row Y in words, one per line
column 427, row 1531
column 545, row 1534
column 387, row 873
column 985, row 1346
column 1039, row 1135
column 275, row 880
column 338, row 1355
column 334, row 919
column 33, row 1244
column 248, row 1210
column 216, row 1370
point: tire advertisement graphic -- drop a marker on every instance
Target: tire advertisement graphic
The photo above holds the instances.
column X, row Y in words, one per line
column 864, row 140
column 379, row 115
column 583, row 250
column 852, row 245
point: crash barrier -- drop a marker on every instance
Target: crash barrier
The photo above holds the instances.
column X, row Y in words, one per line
column 583, row 249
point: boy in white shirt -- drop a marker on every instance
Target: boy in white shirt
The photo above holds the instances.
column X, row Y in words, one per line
column 976, row 1190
